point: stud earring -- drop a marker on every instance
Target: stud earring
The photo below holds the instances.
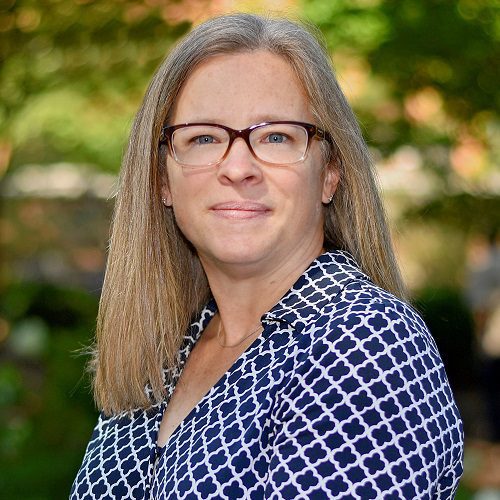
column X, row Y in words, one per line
column 164, row 201
column 330, row 198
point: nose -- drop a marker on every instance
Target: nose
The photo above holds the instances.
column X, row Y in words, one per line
column 239, row 165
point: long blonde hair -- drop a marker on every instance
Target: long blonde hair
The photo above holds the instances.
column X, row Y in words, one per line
column 154, row 283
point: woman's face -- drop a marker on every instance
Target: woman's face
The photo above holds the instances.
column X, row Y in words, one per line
column 243, row 213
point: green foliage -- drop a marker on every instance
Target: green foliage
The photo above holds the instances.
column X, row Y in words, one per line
column 452, row 46
column 357, row 26
column 73, row 89
column 431, row 75
column 463, row 212
column 45, row 406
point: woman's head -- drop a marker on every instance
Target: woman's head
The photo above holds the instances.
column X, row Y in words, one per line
column 253, row 212
column 154, row 281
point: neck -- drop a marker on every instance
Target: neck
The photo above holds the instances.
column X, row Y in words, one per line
column 242, row 297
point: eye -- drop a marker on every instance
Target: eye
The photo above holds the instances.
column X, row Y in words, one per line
column 276, row 138
column 203, row 139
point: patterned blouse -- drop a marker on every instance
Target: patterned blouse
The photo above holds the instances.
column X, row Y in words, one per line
column 343, row 395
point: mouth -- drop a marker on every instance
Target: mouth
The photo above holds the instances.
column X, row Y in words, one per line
column 240, row 210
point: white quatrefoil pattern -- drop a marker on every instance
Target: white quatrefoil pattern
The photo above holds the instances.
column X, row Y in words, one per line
column 343, row 396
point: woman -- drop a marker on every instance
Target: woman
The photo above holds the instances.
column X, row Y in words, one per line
column 247, row 200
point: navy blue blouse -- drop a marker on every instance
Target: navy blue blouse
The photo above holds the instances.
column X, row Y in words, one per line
column 343, row 395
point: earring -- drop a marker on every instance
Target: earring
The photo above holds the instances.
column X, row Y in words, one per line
column 164, row 201
column 330, row 198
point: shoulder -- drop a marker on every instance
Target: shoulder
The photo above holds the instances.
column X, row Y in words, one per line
column 364, row 316
column 369, row 381
column 370, row 354
column 335, row 309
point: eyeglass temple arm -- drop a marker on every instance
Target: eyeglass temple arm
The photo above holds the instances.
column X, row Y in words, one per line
column 163, row 135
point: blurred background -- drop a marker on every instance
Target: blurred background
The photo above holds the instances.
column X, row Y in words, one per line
column 422, row 76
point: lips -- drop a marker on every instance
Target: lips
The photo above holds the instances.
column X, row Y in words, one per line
column 240, row 210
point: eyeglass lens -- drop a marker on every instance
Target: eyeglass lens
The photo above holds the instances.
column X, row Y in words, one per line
column 202, row 145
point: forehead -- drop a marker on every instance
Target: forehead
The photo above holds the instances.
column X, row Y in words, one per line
column 242, row 89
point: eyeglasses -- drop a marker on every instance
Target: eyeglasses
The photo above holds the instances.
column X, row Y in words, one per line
column 206, row 144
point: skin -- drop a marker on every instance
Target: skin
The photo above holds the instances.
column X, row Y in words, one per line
column 256, row 227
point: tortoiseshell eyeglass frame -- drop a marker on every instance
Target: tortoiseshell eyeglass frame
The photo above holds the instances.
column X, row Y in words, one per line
column 313, row 132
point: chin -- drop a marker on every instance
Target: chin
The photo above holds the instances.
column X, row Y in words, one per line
column 239, row 254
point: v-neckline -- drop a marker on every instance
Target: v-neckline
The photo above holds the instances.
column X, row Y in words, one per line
column 185, row 352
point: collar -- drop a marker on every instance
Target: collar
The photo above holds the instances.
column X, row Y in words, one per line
column 317, row 287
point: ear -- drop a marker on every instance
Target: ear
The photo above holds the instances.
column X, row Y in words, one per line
column 166, row 195
column 330, row 182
